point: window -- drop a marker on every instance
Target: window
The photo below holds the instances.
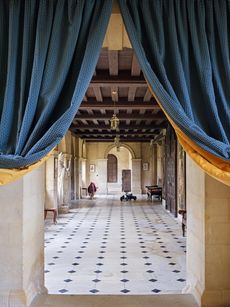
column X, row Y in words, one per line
column 112, row 168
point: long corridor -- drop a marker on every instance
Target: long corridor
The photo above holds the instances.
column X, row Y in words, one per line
column 104, row 246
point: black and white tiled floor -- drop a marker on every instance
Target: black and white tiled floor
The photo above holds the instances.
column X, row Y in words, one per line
column 108, row 247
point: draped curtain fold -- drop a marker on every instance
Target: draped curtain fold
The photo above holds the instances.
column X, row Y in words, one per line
column 48, row 53
column 183, row 49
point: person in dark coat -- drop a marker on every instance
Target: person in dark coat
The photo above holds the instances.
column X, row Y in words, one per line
column 92, row 189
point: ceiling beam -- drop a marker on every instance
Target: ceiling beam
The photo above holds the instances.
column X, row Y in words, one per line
column 135, row 70
column 133, row 116
column 148, row 95
column 122, row 104
column 97, row 93
column 122, row 139
column 121, row 126
column 110, row 133
column 113, row 62
column 125, row 79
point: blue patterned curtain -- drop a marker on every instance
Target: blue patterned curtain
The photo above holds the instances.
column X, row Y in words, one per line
column 48, row 53
column 183, row 48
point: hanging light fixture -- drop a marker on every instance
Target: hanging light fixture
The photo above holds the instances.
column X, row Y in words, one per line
column 117, row 142
column 114, row 120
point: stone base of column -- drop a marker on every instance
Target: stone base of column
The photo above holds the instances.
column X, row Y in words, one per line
column 215, row 298
column 20, row 298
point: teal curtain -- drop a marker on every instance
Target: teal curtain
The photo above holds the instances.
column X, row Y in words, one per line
column 183, row 48
column 48, row 53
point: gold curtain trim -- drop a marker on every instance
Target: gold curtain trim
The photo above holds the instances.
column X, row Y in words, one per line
column 10, row 175
column 212, row 165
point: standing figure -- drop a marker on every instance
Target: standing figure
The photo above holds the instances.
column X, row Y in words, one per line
column 92, row 189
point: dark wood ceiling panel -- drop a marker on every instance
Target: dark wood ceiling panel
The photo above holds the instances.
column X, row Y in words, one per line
column 135, row 69
column 113, row 62
column 118, row 86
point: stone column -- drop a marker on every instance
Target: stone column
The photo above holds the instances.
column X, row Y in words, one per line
column 136, row 176
column 208, row 238
column 22, row 239
column 67, row 180
column 51, row 166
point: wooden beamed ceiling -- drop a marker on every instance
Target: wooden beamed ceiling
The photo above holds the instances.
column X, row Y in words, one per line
column 118, row 86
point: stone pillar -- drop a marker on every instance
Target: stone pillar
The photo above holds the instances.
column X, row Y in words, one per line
column 100, row 177
column 217, row 244
column 22, row 240
column 67, row 180
column 75, row 178
column 208, row 238
column 136, row 176
column 51, row 166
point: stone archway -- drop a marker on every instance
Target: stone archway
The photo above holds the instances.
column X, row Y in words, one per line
column 108, row 149
column 134, row 165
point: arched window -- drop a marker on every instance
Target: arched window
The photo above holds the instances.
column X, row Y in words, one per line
column 112, row 168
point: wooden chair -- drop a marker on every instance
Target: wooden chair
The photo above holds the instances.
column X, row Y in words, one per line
column 54, row 210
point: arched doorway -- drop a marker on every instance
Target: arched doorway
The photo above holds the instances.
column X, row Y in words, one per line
column 123, row 158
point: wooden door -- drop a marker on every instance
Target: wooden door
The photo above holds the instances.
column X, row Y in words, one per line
column 126, row 180
column 171, row 171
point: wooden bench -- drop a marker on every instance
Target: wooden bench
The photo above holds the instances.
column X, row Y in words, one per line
column 154, row 190
column 184, row 220
column 54, row 214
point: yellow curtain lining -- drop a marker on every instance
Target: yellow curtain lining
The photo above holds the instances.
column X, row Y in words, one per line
column 212, row 165
column 10, row 175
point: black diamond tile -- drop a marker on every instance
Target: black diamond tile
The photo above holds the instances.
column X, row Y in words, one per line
column 94, row 291
column 96, row 280
column 100, row 263
column 125, row 291
column 55, row 257
column 150, row 271
column 124, row 264
column 172, row 263
column 68, row 280
column 145, row 257
column 71, row 271
column 75, row 263
column 97, row 271
column 46, row 271
column 63, row 291
column 176, row 271
column 156, row 290
column 123, row 257
column 148, row 263
column 51, row 263
column 168, row 257
column 78, row 257
column 59, row 252
column 152, row 280
column 181, row 279
column 100, row 257
column 124, row 271
column 124, row 280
